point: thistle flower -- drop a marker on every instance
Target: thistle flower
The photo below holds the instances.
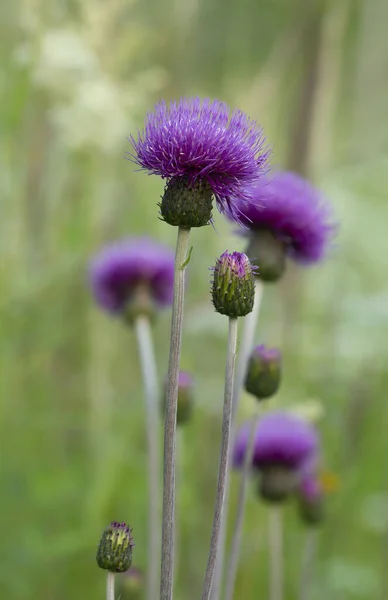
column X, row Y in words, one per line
column 282, row 444
column 114, row 552
column 286, row 217
column 263, row 373
column 185, row 397
column 202, row 150
column 133, row 276
column 233, row 286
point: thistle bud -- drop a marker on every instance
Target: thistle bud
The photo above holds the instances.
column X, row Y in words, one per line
column 311, row 501
column 268, row 251
column 115, row 548
column 264, row 372
column 185, row 398
column 187, row 204
column 277, row 483
column 130, row 584
column 233, row 286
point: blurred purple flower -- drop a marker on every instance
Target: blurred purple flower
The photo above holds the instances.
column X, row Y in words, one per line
column 119, row 268
column 295, row 212
column 280, row 439
column 201, row 141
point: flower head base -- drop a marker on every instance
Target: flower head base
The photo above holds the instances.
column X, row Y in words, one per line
column 286, row 217
column 201, row 150
column 185, row 398
column 131, row 584
column 133, row 277
column 264, row 372
column 277, row 483
column 233, row 285
column 115, row 548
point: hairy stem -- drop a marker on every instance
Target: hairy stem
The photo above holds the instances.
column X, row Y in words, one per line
column 275, row 531
column 249, row 328
column 167, row 566
column 239, row 521
column 150, row 382
column 224, row 457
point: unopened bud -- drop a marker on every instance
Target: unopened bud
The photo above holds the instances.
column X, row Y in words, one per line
column 233, row 285
column 115, row 548
column 264, row 372
column 185, row 398
column 130, row 584
column 311, row 501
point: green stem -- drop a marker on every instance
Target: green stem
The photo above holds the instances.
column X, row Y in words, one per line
column 275, row 531
column 167, row 566
column 110, row 586
column 249, row 328
column 242, row 497
column 308, row 559
column 224, row 458
column 151, row 389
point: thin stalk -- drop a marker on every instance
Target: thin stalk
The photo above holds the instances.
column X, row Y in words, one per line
column 110, row 586
column 249, row 328
column 238, row 525
column 167, row 566
column 151, row 389
column 308, row 560
column 275, row 530
column 224, row 458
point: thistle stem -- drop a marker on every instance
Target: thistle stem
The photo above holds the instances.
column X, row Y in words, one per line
column 167, row 566
column 275, row 531
column 110, row 586
column 239, row 521
column 150, row 382
column 249, row 328
column 224, row 457
column 308, row 560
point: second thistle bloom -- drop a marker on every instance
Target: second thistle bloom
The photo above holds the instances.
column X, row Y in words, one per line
column 233, row 286
column 287, row 217
column 263, row 372
column 133, row 276
column 202, row 150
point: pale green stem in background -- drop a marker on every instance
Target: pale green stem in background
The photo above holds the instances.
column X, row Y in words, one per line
column 275, row 541
column 167, row 566
column 308, row 560
column 232, row 566
column 179, row 487
column 151, row 388
column 110, row 586
column 247, row 339
column 224, row 458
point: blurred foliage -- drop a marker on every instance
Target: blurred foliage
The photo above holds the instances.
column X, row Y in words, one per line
column 76, row 77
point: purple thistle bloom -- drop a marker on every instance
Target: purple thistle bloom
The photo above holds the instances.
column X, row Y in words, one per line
column 295, row 212
column 199, row 141
column 280, row 439
column 120, row 268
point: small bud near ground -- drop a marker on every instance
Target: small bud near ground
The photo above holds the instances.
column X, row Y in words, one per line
column 114, row 551
column 185, row 398
column 264, row 372
column 233, row 285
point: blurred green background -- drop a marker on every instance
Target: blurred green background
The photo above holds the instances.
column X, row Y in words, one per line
column 77, row 76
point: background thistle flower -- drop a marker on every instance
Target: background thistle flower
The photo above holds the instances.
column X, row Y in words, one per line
column 282, row 444
column 233, row 286
column 185, row 398
column 202, row 150
column 114, row 552
column 264, row 371
column 286, row 217
column 133, row 276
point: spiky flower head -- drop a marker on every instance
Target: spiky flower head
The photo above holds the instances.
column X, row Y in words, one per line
column 287, row 216
column 114, row 551
column 263, row 372
column 202, row 150
column 233, row 285
column 133, row 276
column 282, row 444
column 185, row 397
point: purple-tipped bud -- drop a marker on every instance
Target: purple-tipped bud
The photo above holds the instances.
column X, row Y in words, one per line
column 114, row 552
column 130, row 584
column 233, row 285
column 264, row 372
column 311, row 500
column 203, row 151
column 185, row 398
column 133, row 277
